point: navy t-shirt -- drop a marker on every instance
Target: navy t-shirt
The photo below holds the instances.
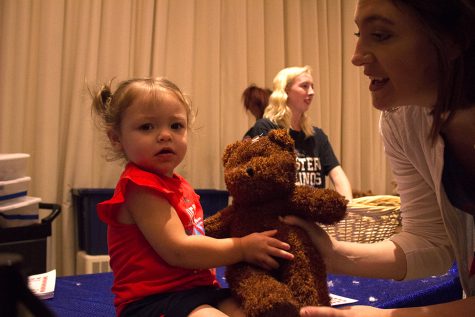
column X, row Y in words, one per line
column 315, row 156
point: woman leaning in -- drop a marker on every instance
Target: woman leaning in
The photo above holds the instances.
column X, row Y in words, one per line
column 419, row 56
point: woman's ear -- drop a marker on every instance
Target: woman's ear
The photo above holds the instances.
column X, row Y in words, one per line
column 114, row 139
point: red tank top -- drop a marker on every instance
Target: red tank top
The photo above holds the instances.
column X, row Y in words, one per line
column 138, row 270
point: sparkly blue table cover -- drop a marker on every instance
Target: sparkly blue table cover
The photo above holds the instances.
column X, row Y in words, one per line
column 90, row 295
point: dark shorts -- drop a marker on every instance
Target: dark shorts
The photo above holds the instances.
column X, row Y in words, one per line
column 176, row 304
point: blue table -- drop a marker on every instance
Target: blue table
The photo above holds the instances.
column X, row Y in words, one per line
column 90, row 295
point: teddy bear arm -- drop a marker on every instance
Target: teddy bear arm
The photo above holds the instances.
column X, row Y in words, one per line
column 217, row 225
column 325, row 206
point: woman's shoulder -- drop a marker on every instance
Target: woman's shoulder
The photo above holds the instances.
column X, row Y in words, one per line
column 405, row 127
column 405, row 113
column 267, row 123
column 261, row 127
column 319, row 131
column 407, row 118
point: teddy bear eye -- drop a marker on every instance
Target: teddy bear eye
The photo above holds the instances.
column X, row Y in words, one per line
column 250, row 171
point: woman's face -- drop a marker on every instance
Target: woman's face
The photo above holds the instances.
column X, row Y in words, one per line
column 300, row 93
column 396, row 55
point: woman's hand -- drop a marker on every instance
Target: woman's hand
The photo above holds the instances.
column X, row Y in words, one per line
column 351, row 311
column 322, row 241
column 260, row 249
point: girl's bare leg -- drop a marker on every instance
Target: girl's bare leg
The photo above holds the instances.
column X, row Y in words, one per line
column 231, row 307
column 228, row 307
column 206, row 310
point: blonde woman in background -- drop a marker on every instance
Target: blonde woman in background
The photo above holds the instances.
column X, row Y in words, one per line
column 288, row 105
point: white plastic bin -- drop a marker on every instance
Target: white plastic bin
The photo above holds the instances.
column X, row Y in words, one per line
column 19, row 212
column 14, row 188
column 13, row 165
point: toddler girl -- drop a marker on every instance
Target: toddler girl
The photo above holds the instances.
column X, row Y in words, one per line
column 159, row 254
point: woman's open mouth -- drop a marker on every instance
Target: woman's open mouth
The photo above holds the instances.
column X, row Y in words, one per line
column 377, row 83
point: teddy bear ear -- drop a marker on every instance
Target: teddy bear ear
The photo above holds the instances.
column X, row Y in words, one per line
column 282, row 138
column 229, row 151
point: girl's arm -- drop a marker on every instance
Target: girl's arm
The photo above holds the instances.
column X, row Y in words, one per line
column 162, row 228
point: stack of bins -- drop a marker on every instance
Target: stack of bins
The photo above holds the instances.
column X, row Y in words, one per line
column 21, row 230
column 16, row 208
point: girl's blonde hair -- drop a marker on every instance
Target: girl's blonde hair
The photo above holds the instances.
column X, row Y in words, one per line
column 109, row 106
column 278, row 111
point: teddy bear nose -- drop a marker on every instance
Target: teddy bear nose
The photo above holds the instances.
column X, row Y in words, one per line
column 250, row 171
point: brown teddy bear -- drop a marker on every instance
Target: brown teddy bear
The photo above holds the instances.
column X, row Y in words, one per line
column 260, row 176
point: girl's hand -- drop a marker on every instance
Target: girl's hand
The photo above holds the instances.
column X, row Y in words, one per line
column 319, row 237
column 260, row 249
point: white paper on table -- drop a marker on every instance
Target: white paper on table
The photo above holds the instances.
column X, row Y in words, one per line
column 42, row 285
column 336, row 300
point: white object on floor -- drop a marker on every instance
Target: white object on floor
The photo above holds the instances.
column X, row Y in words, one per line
column 89, row 264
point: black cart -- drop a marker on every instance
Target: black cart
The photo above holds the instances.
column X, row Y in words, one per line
column 30, row 241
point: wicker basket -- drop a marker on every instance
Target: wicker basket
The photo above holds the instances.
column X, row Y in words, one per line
column 370, row 219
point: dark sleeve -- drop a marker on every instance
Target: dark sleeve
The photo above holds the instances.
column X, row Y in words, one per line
column 261, row 127
column 327, row 156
